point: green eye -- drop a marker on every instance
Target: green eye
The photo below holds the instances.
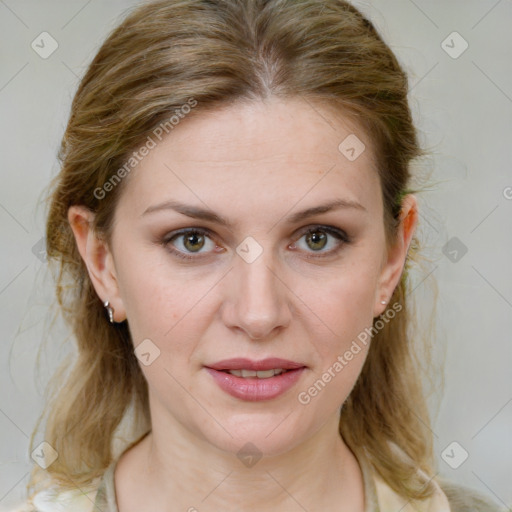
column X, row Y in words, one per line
column 318, row 240
column 187, row 242
column 193, row 241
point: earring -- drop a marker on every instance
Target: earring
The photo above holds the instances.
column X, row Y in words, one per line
column 110, row 311
column 383, row 302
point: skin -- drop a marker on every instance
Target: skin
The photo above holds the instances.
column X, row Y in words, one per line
column 254, row 164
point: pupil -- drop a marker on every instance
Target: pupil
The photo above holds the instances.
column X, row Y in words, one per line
column 193, row 240
column 317, row 237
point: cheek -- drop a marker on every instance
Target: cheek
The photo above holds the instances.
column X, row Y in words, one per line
column 341, row 305
column 339, row 333
column 162, row 301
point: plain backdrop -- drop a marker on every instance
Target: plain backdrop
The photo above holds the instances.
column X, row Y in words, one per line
column 459, row 57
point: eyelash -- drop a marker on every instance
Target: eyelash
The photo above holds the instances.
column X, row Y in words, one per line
column 342, row 237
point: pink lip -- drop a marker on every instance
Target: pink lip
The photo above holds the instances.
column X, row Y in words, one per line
column 255, row 389
column 240, row 363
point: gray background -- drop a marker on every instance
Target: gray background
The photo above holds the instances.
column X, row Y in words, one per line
column 463, row 108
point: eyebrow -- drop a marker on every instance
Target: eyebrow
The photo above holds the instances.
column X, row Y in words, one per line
column 208, row 215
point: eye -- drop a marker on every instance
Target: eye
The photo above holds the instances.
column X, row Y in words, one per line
column 187, row 242
column 318, row 238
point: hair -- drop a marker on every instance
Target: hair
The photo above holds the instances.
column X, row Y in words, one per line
column 219, row 52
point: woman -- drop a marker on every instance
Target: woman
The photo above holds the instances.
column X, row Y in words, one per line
column 233, row 228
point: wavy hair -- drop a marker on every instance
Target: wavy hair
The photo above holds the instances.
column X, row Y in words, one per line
column 221, row 51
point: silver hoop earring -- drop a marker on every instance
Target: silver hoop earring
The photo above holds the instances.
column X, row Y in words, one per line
column 110, row 311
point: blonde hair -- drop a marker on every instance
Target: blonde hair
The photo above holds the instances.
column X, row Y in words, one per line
column 219, row 52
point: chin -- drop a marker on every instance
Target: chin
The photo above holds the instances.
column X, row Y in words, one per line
column 264, row 434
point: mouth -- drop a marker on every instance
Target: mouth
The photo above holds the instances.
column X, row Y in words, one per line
column 261, row 374
column 256, row 380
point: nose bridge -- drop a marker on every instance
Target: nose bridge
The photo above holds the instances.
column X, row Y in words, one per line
column 260, row 302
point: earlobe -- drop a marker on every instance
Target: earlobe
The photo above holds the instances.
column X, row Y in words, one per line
column 397, row 254
column 97, row 258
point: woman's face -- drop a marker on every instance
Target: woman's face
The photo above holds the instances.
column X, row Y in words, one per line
column 197, row 290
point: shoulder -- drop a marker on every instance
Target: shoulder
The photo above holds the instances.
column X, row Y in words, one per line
column 21, row 507
column 54, row 500
column 465, row 499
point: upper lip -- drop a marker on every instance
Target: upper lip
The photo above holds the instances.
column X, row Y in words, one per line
column 241, row 363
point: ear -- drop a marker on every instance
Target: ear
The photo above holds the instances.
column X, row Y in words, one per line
column 393, row 266
column 98, row 259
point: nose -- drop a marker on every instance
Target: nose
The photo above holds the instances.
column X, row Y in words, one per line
column 259, row 300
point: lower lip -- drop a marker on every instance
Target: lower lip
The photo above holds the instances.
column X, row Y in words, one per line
column 254, row 389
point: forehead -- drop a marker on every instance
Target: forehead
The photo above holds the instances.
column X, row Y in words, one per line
column 286, row 151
